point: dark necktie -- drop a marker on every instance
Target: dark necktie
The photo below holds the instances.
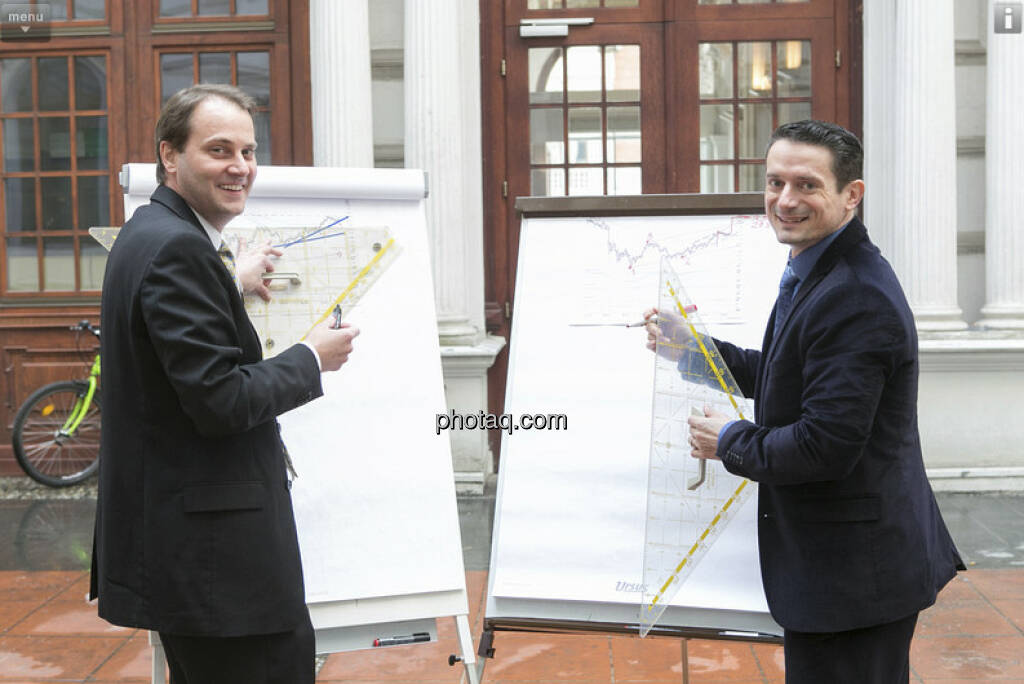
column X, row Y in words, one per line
column 224, row 252
column 786, row 288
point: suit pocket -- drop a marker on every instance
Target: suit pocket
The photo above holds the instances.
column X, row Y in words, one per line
column 840, row 509
column 224, row 496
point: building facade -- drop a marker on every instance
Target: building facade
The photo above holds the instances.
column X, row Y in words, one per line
column 499, row 99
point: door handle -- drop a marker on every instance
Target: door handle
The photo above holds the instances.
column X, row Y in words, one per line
column 551, row 28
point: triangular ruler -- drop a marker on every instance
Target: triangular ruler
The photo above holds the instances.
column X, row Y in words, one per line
column 331, row 264
column 689, row 501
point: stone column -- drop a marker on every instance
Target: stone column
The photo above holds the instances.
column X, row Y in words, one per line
column 879, row 51
column 339, row 60
column 442, row 135
column 1004, row 178
column 921, row 155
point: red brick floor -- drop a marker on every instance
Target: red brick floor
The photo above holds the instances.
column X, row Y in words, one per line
column 48, row 633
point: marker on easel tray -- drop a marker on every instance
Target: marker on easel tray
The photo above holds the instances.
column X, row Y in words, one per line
column 400, row 640
column 336, row 323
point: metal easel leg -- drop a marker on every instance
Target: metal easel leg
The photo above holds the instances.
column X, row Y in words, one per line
column 466, row 646
column 159, row 661
column 686, row 661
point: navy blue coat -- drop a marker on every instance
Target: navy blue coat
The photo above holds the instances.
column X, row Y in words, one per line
column 849, row 532
column 194, row 527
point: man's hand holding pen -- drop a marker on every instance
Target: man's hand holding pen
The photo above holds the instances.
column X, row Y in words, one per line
column 668, row 334
column 332, row 339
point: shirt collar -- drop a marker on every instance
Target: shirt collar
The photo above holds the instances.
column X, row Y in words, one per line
column 803, row 263
column 215, row 235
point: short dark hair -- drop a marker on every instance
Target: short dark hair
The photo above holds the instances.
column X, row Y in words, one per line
column 847, row 153
column 174, row 124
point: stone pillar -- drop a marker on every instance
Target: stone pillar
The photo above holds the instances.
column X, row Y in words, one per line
column 1004, row 177
column 921, row 153
column 339, row 60
column 442, row 135
column 879, row 51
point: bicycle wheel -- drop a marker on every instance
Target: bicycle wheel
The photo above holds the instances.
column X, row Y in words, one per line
column 44, row 450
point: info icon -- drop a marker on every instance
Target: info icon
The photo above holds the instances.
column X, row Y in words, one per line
column 24, row 22
column 1007, row 17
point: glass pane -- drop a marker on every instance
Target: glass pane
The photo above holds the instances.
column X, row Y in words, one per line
column 215, row 67
column 91, row 142
column 755, row 70
column 16, row 79
column 175, row 8
column 175, row 74
column 583, row 64
column 53, row 83
column 544, row 182
column 91, row 82
column 545, row 75
column 544, row 4
column 754, row 2
column 214, row 7
column 794, row 60
column 715, row 2
column 794, row 111
column 752, row 178
column 20, row 203
column 754, row 130
column 59, row 263
column 54, row 143
column 570, row 4
column 261, row 122
column 622, row 3
column 715, row 70
column 623, row 134
column 93, row 201
column 547, row 144
column 19, row 145
column 89, row 9
column 56, row 203
column 254, row 75
column 624, row 180
column 585, row 136
column 92, row 262
column 58, row 10
column 250, row 6
column 586, row 181
column 622, row 73
column 716, row 132
column 715, row 178
column 22, row 267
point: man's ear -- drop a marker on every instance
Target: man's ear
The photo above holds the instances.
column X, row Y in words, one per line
column 854, row 193
column 169, row 157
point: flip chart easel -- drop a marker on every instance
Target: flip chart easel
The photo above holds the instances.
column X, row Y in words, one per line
column 375, row 498
column 570, row 510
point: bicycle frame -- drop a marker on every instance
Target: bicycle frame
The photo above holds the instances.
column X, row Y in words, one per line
column 83, row 404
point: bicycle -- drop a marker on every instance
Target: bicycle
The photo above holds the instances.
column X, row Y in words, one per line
column 56, row 435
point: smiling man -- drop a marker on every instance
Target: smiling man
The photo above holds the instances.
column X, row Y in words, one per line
column 195, row 537
column 851, row 541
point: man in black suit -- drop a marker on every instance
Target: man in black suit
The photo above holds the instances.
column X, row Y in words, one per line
column 195, row 536
column 851, row 541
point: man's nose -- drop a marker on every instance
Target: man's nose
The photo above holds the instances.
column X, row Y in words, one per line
column 239, row 165
column 787, row 197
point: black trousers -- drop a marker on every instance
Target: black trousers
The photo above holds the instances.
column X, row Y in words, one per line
column 285, row 658
column 873, row 655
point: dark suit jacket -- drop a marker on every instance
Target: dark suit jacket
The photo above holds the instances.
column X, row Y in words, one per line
column 194, row 527
column 849, row 532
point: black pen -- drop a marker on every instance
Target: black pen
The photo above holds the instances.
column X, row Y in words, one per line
column 399, row 640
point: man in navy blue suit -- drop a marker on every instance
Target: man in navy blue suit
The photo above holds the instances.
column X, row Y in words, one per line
column 851, row 541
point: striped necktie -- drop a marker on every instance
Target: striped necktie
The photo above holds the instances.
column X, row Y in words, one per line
column 224, row 252
column 787, row 286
